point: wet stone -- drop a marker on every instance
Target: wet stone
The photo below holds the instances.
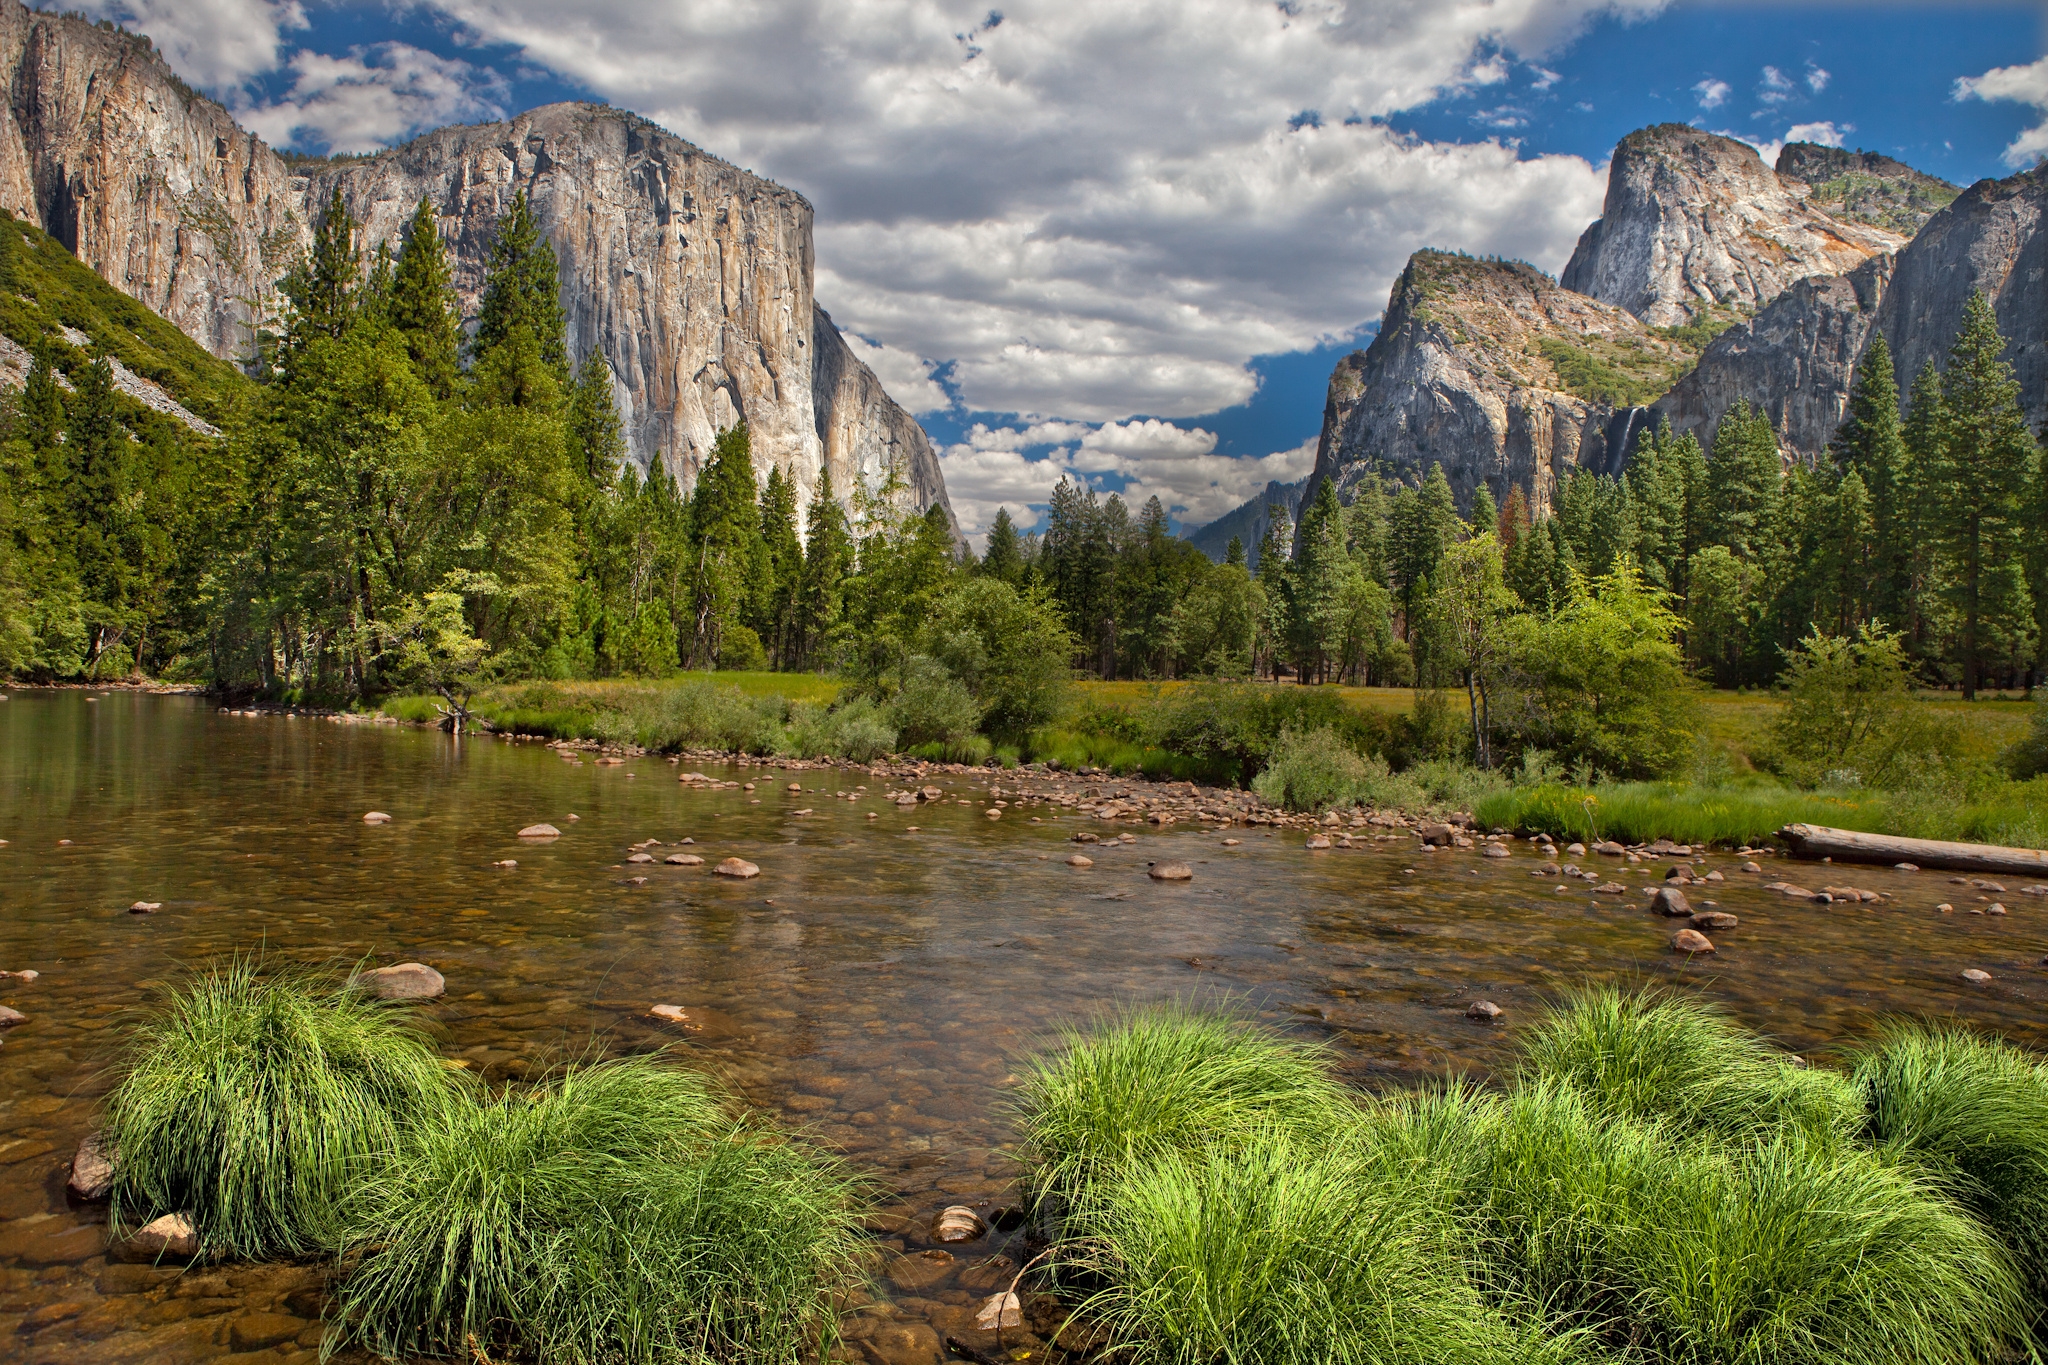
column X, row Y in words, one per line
column 405, row 981
column 1669, row 900
column 1483, row 1012
column 959, row 1224
column 92, row 1170
column 1976, row 976
column 683, row 860
column 737, row 867
column 1691, row 941
column 1170, row 872
column 919, row 1270
column 256, row 1331
column 1080, row 860
column 540, row 832
column 11, row 1017
column 1714, row 919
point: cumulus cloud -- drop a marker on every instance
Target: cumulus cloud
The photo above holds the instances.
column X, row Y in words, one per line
column 1712, row 94
column 1826, row 134
column 1774, row 86
column 1095, row 210
column 219, row 44
column 2026, row 84
column 1816, row 78
column 907, row 377
column 371, row 97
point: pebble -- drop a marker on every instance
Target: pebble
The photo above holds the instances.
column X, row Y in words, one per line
column 541, row 832
column 170, row 1235
column 1945, row 908
column 737, row 867
column 145, row 907
column 405, row 981
column 1575, row 850
column 993, row 814
column 1080, row 860
column 1170, row 872
column 1232, row 843
column 641, row 858
column 796, row 786
column 506, row 862
column 958, row 1224
column 1484, row 1011
column 1691, row 941
column 1084, row 837
column 25, row 975
column 1497, row 851
column 1994, row 909
column 1976, row 976
column 999, row 1311
column 683, row 860
column 376, row 817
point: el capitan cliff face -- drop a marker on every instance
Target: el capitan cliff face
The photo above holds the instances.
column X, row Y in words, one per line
column 690, row 276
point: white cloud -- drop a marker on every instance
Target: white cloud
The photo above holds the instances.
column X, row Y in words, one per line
column 372, row 97
column 1826, row 134
column 907, row 377
column 219, row 44
column 1775, row 87
column 1816, row 78
column 1095, row 210
column 1544, row 78
column 1712, row 93
column 2025, row 84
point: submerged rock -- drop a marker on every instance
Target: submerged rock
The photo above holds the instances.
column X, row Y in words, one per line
column 92, row 1170
column 683, row 860
column 1317, row 841
column 145, row 907
column 1484, row 1011
column 670, row 1014
column 958, row 1224
column 1976, row 976
column 540, row 832
column 919, row 1269
column 999, row 1311
column 405, row 981
column 737, row 867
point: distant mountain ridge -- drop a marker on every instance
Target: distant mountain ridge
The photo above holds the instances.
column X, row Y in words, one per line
column 1247, row 521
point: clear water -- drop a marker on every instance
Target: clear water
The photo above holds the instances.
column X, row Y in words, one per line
column 874, row 984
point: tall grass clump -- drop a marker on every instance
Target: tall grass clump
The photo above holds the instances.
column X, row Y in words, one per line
column 1649, row 1054
column 1974, row 1112
column 857, row 729
column 255, row 1101
column 619, row 1213
column 1783, row 1249
column 1161, row 1079
column 1288, row 1250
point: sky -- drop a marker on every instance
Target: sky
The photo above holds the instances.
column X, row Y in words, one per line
column 1126, row 242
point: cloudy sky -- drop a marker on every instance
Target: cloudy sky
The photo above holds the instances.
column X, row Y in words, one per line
column 1128, row 238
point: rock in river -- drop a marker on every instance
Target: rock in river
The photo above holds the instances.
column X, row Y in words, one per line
column 376, row 817
column 1669, row 900
column 919, row 1269
column 998, row 1311
column 1080, row 860
column 540, row 832
column 1691, row 941
column 1976, row 976
column 406, row 981
column 959, row 1224
column 1714, row 919
column 92, row 1170
column 1170, row 872
column 171, row 1235
column 683, row 860
column 145, row 907
column 737, row 867
column 1483, row 1011
column 10, row 1017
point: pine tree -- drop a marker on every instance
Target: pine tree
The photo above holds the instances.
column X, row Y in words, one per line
column 828, row 558
column 594, row 431
column 1002, row 559
column 1316, row 602
column 97, row 447
column 322, row 287
column 1870, row 442
column 1485, row 512
column 421, row 303
column 1421, row 526
column 779, row 627
column 727, row 558
column 1924, row 433
column 1365, row 528
column 522, row 291
column 1743, row 479
column 1233, row 554
column 1661, row 484
column 1984, row 467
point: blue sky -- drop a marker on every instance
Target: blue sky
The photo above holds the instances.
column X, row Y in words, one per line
column 1127, row 243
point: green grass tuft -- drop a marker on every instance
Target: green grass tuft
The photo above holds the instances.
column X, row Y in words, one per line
column 618, row 1213
column 1973, row 1112
column 255, row 1102
column 1653, row 1055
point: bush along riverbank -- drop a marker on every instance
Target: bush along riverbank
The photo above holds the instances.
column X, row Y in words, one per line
column 1652, row 1183
column 621, row 1210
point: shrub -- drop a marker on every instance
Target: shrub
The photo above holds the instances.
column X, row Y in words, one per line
column 855, row 730
column 1849, row 717
column 1158, row 1080
column 1283, row 1250
column 933, row 706
column 1651, row 1055
column 2029, row 757
column 1974, row 1112
column 1230, row 728
column 256, row 1101
column 619, row 1213
column 1009, row 647
column 689, row 715
column 740, row 650
column 1313, row 770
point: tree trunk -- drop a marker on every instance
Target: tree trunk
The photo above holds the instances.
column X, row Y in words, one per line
column 1850, row 846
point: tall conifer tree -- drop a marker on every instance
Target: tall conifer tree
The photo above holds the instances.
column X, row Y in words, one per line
column 421, row 303
column 523, row 290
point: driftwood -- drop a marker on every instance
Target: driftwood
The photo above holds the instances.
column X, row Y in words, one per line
column 1848, row 846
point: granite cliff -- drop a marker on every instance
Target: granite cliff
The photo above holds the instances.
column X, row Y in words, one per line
column 1695, row 221
column 1248, row 520
column 1865, row 187
column 1494, row 371
column 691, row 277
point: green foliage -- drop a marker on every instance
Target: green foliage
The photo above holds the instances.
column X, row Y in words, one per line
column 689, row 715
column 932, row 706
column 1850, row 718
column 421, row 305
column 1008, row 648
column 258, row 1101
column 621, row 1212
column 857, row 729
column 1617, row 374
column 1314, row 770
column 521, row 292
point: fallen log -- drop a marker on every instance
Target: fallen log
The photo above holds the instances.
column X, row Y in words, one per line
column 1849, row 846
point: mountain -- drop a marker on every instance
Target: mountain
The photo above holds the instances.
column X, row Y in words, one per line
column 1865, row 187
column 1694, row 222
column 1498, row 373
column 1797, row 357
column 692, row 277
column 1247, row 521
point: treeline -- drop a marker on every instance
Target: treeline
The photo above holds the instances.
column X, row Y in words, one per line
column 393, row 507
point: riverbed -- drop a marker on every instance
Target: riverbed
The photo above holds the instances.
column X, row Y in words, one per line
column 875, row 985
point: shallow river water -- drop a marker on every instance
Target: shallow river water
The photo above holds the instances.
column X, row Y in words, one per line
column 876, row 984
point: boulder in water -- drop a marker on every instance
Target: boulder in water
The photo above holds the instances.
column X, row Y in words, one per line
column 406, row 981
column 376, row 817
column 172, row 1235
column 737, row 867
column 540, row 832
column 92, row 1170
column 1170, row 872
column 959, row 1224
column 1691, row 941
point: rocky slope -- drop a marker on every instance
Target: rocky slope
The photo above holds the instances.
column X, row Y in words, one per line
column 1865, row 187
column 1693, row 220
column 1797, row 357
column 690, row 276
column 1493, row 370
column 1248, row 520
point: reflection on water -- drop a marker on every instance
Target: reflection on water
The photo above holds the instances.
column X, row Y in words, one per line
column 874, row 984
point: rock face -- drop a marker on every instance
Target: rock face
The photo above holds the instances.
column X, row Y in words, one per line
column 1864, row 187
column 1694, row 220
column 1248, row 520
column 1796, row 360
column 691, row 277
column 1470, row 371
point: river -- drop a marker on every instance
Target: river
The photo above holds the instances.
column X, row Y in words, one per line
column 876, row 983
